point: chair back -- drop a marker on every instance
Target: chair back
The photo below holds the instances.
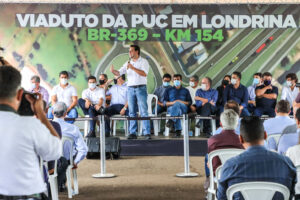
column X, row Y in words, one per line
column 258, row 190
column 297, row 187
column 149, row 103
column 275, row 136
column 68, row 144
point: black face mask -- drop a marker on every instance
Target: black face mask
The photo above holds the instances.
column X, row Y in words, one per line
column 115, row 81
column 102, row 82
column 225, row 82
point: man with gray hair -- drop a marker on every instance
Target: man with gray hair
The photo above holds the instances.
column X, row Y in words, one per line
column 36, row 88
column 72, row 131
column 227, row 138
column 193, row 87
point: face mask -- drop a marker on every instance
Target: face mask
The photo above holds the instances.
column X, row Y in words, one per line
column 203, row 86
column 233, row 81
column 267, row 82
column 166, row 84
column 177, row 83
column 255, row 81
column 225, row 82
column 102, row 82
column 33, row 86
column 192, row 84
column 289, row 83
column 115, row 81
column 64, row 81
column 92, row 85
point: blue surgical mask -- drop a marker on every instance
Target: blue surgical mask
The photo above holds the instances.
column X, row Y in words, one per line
column 255, row 81
column 177, row 83
column 166, row 84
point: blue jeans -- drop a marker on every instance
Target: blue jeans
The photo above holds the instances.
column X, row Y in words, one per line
column 90, row 111
column 176, row 110
column 71, row 114
column 259, row 111
column 137, row 101
column 245, row 112
column 110, row 111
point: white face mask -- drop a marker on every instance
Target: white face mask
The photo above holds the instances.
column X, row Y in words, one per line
column 233, row 81
column 33, row 86
column 64, row 81
column 92, row 85
column 203, row 86
column 289, row 83
column 192, row 84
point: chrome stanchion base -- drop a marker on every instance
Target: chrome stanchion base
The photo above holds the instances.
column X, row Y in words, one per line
column 103, row 175
column 186, row 175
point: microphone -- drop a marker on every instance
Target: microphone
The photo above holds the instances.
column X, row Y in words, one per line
column 128, row 62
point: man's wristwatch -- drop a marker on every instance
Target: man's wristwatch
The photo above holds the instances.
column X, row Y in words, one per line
column 124, row 108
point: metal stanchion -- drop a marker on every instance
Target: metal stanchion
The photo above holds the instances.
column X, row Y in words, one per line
column 186, row 147
column 103, row 173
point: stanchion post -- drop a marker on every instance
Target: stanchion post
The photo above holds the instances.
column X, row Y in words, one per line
column 103, row 173
column 186, row 148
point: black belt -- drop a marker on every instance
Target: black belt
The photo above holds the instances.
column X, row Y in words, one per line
column 21, row 197
column 136, row 86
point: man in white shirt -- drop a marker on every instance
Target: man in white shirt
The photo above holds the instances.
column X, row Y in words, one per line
column 24, row 140
column 80, row 148
column 66, row 93
column 137, row 69
column 193, row 87
column 93, row 98
column 282, row 119
column 290, row 91
column 36, row 88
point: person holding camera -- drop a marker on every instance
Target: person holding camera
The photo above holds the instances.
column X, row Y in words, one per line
column 92, row 102
column 66, row 93
column 24, row 140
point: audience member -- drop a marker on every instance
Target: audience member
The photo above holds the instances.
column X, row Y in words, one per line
column 266, row 96
column 256, row 163
column 257, row 81
column 79, row 147
column 282, row 119
column 193, row 87
column 36, row 88
column 206, row 99
column 237, row 92
column 24, row 140
column 93, row 99
column 294, row 152
column 290, row 91
column 64, row 92
column 220, row 89
column 177, row 99
column 103, row 81
column 160, row 92
column 118, row 103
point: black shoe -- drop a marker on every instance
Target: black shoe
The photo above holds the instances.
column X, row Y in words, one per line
column 148, row 137
column 107, row 134
column 170, row 123
column 198, row 125
column 91, row 134
column 132, row 137
column 177, row 134
column 62, row 188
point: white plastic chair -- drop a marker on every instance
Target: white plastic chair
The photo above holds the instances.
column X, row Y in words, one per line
column 275, row 136
column 71, row 191
column 224, row 155
column 258, row 190
column 213, row 126
column 53, row 182
column 114, row 124
column 150, row 97
column 297, row 188
column 167, row 130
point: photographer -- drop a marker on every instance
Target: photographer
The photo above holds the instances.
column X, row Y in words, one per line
column 24, row 139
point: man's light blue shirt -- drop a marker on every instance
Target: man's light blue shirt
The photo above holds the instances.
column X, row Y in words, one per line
column 277, row 124
column 251, row 91
column 160, row 92
column 211, row 94
column 118, row 94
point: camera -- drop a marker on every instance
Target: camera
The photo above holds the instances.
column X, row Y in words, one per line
column 297, row 84
column 26, row 108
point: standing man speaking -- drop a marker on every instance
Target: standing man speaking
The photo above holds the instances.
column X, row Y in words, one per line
column 137, row 69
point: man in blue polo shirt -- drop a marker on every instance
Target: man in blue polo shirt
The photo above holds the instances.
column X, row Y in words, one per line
column 237, row 92
column 206, row 99
column 266, row 96
column 177, row 99
column 160, row 93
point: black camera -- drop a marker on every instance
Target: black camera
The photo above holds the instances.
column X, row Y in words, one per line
column 26, row 108
column 297, row 84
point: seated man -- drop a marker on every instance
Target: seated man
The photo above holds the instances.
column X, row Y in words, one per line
column 160, row 92
column 282, row 119
column 36, row 88
column 206, row 99
column 118, row 102
column 266, row 96
column 237, row 92
column 193, row 87
column 79, row 148
column 177, row 99
column 93, row 98
column 64, row 92
column 256, row 163
column 257, row 81
column 290, row 91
